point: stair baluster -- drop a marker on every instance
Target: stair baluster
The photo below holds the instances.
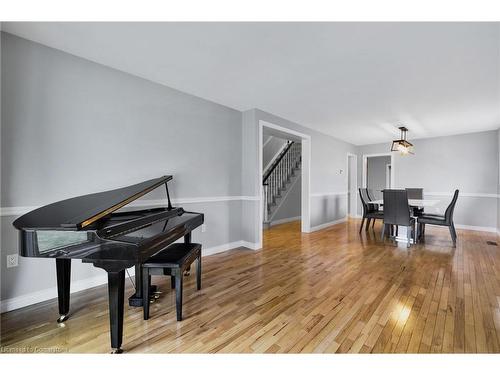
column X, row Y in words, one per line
column 277, row 177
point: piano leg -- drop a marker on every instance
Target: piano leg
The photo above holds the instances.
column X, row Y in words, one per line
column 135, row 300
column 187, row 239
column 116, row 289
column 63, row 269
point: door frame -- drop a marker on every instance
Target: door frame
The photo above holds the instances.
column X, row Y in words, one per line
column 355, row 173
column 388, row 171
column 365, row 167
column 305, row 192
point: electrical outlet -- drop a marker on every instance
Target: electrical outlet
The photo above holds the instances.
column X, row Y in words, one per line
column 12, row 260
column 203, row 228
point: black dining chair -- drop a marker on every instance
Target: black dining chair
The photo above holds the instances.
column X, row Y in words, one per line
column 397, row 212
column 375, row 207
column 445, row 220
column 371, row 194
column 416, row 193
column 370, row 212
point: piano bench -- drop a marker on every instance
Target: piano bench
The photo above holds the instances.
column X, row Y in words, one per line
column 173, row 261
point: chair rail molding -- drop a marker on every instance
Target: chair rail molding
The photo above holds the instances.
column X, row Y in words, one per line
column 21, row 210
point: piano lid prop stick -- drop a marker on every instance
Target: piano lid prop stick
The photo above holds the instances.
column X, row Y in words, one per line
column 168, row 197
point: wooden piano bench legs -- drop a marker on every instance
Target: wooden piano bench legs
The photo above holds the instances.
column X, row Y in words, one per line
column 173, row 261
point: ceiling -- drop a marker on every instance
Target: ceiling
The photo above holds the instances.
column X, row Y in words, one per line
column 354, row 81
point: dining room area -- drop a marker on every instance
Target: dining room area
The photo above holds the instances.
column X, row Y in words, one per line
column 405, row 208
column 447, row 182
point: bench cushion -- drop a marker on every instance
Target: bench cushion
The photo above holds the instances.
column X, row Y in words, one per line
column 176, row 255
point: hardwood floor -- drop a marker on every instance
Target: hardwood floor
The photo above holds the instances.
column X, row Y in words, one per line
column 331, row 291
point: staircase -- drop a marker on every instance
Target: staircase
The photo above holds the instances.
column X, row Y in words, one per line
column 279, row 177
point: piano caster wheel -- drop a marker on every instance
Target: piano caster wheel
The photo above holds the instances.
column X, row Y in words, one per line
column 62, row 318
column 116, row 351
column 156, row 295
column 187, row 273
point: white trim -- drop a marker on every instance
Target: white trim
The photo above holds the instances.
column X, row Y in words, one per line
column 284, row 130
column 388, row 174
column 79, row 285
column 473, row 227
column 21, row 210
column 251, row 245
column 305, row 174
column 283, row 221
column 365, row 165
column 50, row 293
column 355, row 188
column 326, row 225
column 470, row 195
column 439, row 194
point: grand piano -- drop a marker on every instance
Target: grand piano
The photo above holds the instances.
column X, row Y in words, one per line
column 94, row 229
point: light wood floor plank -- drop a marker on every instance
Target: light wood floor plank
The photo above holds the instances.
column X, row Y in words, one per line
column 331, row 291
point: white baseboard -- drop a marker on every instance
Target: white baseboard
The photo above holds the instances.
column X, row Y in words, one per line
column 79, row 285
column 50, row 293
column 326, row 225
column 463, row 226
column 480, row 229
column 286, row 220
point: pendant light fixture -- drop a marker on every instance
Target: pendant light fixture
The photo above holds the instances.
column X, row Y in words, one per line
column 402, row 145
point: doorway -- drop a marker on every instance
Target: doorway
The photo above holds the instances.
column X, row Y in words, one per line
column 378, row 173
column 303, row 141
column 352, row 185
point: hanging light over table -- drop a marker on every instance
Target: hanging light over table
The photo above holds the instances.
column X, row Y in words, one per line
column 402, row 145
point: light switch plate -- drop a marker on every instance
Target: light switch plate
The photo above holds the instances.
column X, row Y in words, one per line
column 12, row 260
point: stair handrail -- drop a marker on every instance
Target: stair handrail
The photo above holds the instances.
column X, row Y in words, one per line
column 276, row 162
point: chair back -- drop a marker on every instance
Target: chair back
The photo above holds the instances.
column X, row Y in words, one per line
column 371, row 194
column 448, row 215
column 415, row 193
column 396, row 208
column 363, row 194
column 363, row 201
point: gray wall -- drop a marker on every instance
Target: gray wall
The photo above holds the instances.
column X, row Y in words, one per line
column 272, row 145
column 376, row 174
column 291, row 206
column 71, row 127
column 468, row 162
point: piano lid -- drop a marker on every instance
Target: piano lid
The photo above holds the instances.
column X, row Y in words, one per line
column 79, row 212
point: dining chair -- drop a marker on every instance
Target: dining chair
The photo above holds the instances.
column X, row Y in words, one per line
column 416, row 193
column 445, row 220
column 373, row 197
column 369, row 210
column 397, row 212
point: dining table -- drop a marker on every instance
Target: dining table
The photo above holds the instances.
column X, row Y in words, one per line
column 420, row 203
column 417, row 203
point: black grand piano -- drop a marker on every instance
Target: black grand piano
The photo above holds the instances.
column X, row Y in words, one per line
column 91, row 228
